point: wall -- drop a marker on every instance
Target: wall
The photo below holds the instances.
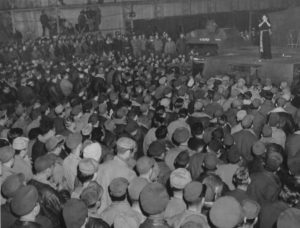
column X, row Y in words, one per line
column 282, row 23
column 115, row 15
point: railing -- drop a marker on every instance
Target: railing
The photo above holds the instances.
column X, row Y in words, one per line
column 234, row 4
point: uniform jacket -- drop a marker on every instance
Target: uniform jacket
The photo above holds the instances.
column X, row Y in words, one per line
column 117, row 209
column 244, row 140
column 51, row 203
column 292, row 144
column 264, row 187
column 108, row 171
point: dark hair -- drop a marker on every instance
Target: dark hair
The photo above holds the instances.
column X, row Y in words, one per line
column 160, row 110
column 83, row 177
column 14, row 133
column 157, row 120
column 33, row 133
column 183, row 113
column 116, row 199
column 217, row 134
column 87, row 107
column 97, row 134
column 46, row 125
column 178, row 103
column 3, row 143
column 195, row 143
column 182, row 159
column 274, row 147
column 35, row 113
column 224, row 118
column 197, row 129
column 161, row 132
column 17, row 152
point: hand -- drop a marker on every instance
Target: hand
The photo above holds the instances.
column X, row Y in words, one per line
column 265, row 19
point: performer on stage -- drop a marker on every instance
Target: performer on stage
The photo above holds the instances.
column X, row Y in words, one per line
column 265, row 38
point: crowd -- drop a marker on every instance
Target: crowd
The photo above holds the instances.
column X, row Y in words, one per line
column 117, row 132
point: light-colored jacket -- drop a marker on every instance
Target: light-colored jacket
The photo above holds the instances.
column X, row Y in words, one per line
column 108, row 171
column 118, row 210
column 70, row 169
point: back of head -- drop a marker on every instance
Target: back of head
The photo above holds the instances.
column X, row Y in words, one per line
column 241, row 177
column 247, row 122
column 183, row 113
column 75, row 213
column 46, row 124
column 197, row 129
column 273, row 161
column 182, row 160
column 289, row 218
column 161, row 132
column 154, row 199
column 226, row 212
column 157, row 149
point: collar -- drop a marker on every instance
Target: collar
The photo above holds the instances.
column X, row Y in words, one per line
column 121, row 204
column 93, row 214
column 251, row 130
column 42, row 138
column 120, row 160
column 42, row 180
column 6, row 168
column 74, row 156
column 157, row 219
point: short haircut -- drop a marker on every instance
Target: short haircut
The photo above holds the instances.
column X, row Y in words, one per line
column 83, row 178
column 46, row 125
column 161, row 132
column 14, row 133
column 183, row 113
column 197, row 128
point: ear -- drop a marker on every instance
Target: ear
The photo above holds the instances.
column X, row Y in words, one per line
column 203, row 201
column 255, row 221
column 49, row 170
column 95, row 176
column 127, row 154
column 36, row 209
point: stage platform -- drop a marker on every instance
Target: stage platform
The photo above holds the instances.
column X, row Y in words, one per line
column 285, row 64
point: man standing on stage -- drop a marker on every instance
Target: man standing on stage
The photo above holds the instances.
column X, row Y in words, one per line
column 265, row 38
column 45, row 22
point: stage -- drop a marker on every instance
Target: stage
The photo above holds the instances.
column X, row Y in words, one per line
column 285, row 64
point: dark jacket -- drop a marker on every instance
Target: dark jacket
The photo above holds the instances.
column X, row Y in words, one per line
column 38, row 150
column 8, row 219
column 270, row 212
column 292, row 145
column 44, row 19
column 238, row 194
column 244, row 140
column 51, row 203
column 164, row 172
column 181, row 46
column 265, row 187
